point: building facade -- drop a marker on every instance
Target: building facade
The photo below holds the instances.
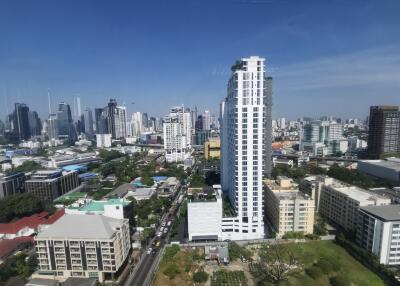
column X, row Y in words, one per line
column 103, row 140
column 245, row 148
column 212, row 148
column 340, row 203
column 12, row 185
column 384, row 130
column 379, row 232
column 177, row 135
column 287, row 209
column 47, row 185
column 92, row 246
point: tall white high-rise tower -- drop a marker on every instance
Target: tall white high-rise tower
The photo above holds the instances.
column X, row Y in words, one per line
column 246, row 147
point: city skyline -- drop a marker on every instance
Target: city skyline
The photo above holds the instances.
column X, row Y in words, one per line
column 107, row 52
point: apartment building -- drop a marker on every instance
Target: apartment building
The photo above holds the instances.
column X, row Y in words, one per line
column 312, row 186
column 92, row 246
column 212, row 148
column 340, row 203
column 287, row 209
column 379, row 232
column 47, row 185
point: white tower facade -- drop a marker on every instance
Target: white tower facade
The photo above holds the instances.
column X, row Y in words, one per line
column 120, row 122
column 177, row 129
column 246, row 124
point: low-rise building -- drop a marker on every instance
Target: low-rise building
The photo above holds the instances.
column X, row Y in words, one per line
column 169, row 187
column 386, row 169
column 92, row 246
column 212, row 148
column 62, row 160
column 205, row 214
column 12, row 184
column 287, row 209
column 379, row 232
column 47, row 185
column 141, row 193
column 340, row 203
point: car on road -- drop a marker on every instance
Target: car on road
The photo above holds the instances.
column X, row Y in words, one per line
column 165, row 231
column 149, row 250
column 169, row 223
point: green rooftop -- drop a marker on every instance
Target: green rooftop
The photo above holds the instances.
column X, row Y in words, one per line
column 98, row 206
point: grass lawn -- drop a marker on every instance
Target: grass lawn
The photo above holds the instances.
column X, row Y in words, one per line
column 228, row 278
column 310, row 252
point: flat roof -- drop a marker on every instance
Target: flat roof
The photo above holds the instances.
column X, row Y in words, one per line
column 98, row 206
column 87, row 226
column 385, row 213
column 391, row 163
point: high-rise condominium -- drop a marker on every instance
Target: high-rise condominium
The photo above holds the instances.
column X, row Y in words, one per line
column 384, row 130
column 246, row 145
column 177, row 134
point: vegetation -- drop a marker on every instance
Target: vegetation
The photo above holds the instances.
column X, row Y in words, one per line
column 180, row 217
column 18, row 265
column 19, row 206
column 332, row 261
column 197, row 181
column 228, row 278
column 179, row 267
column 276, row 265
column 200, row 277
column 147, row 212
column 368, row 259
column 296, row 173
column 107, row 156
column 27, row 166
column 354, row 178
column 236, row 251
column 320, row 226
column 293, row 235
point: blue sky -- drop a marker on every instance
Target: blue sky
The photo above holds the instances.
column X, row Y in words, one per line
column 326, row 57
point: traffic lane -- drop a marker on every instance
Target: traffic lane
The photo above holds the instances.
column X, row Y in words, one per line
column 143, row 271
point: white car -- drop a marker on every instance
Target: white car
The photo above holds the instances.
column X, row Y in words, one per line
column 149, row 250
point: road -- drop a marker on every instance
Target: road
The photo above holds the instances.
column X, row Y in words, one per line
column 140, row 276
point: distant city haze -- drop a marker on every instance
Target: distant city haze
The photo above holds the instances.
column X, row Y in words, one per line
column 335, row 58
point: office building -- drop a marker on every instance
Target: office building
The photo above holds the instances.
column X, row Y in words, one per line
column 47, row 185
column 206, row 120
column 65, row 125
column 137, row 124
column 88, row 123
column 92, row 246
column 340, row 203
column 384, row 130
column 19, row 122
column 100, row 122
column 287, row 209
column 212, row 148
column 120, row 122
column 388, row 169
column 35, row 124
column 12, row 184
column 245, row 146
column 177, row 135
column 379, row 232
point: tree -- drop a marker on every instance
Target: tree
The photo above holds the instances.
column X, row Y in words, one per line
column 314, row 272
column 171, row 271
column 200, row 277
column 148, row 181
column 27, row 166
column 236, row 251
column 276, row 264
column 339, row 281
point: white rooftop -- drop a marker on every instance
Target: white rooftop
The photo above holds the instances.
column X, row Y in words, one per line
column 91, row 226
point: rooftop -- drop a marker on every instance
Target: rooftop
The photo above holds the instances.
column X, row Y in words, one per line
column 82, row 227
column 98, row 206
column 385, row 213
column 391, row 163
column 121, row 191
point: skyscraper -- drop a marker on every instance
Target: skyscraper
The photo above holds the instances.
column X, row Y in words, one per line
column 100, row 121
column 64, row 122
column 177, row 134
column 120, row 122
column 384, row 130
column 88, row 123
column 20, row 122
column 34, row 123
column 246, row 124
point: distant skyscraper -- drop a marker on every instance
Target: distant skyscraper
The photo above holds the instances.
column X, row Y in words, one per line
column 137, row 124
column 100, row 121
column 384, row 130
column 120, row 122
column 145, row 120
column 246, row 125
column 206, row 120
column 65, row 123
column 20, row 122
column 34, row 123
column 177, row 134
column 88, row 123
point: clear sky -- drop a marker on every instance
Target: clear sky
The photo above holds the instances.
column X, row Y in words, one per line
column 326, row 57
